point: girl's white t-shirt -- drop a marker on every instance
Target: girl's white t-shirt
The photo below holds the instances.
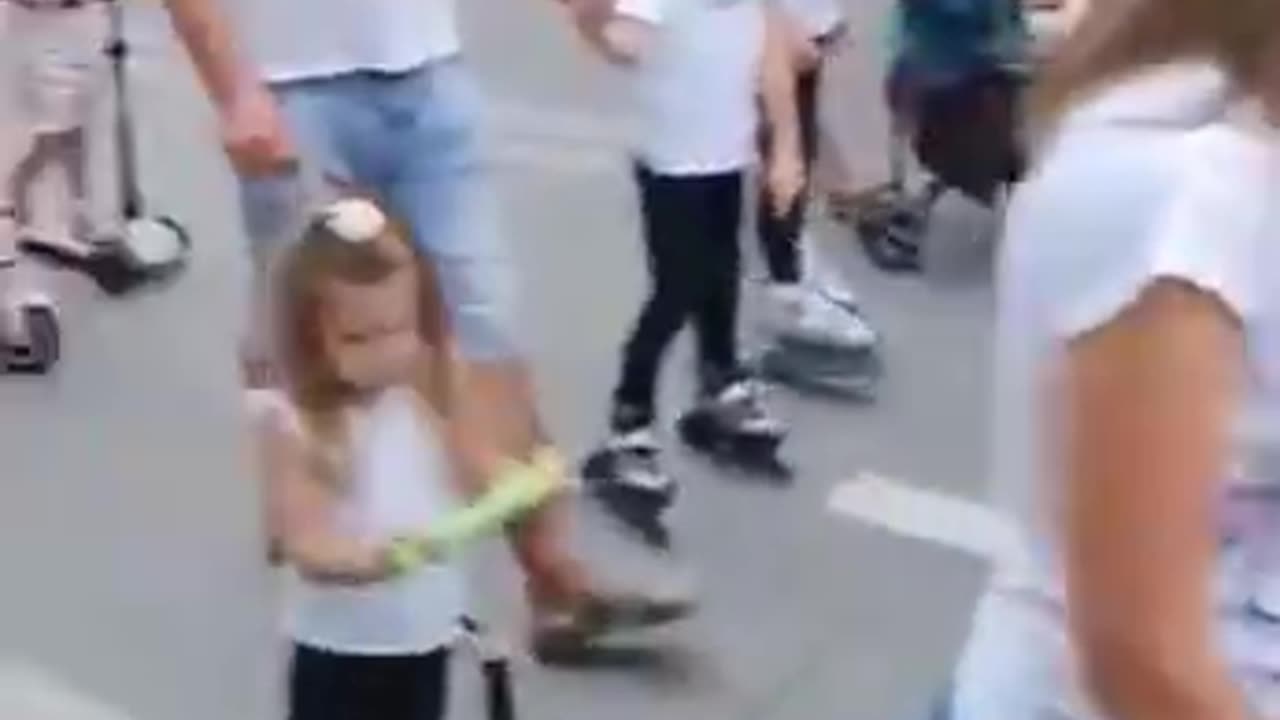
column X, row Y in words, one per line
column 695, row 87
column 291, row 40
column 1161, row 176
column 400, row 484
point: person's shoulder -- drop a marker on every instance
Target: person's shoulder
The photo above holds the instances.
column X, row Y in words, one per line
column 1111, row 212
column 1224, row 181
column 1238, row 150
column 273, row 415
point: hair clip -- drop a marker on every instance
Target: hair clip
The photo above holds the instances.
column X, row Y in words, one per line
column 355, row 220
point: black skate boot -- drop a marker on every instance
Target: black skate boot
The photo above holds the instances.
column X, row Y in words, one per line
column 733, row 428
column 625, row 477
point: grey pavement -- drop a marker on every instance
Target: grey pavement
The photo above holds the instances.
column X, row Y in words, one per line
column 129, row 515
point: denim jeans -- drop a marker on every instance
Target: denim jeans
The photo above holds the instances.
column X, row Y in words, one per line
column 412, row 139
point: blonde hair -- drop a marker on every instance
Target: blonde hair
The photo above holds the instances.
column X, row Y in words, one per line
column 328, row 252
column 1119, row 37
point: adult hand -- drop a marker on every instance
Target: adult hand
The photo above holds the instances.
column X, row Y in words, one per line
column 253, row 132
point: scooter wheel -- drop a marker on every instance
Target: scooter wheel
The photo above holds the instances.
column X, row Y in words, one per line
column 43, row 342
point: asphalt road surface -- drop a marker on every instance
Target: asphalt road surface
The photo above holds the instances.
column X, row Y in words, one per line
column 129, row 545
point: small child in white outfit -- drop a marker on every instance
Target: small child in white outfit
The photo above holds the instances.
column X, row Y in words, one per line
column 60, row 59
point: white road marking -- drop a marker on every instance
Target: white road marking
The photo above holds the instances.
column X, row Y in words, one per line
column 32, row 693
column 932, row 517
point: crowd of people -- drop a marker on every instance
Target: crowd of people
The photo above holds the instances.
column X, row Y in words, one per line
column 1135, row 396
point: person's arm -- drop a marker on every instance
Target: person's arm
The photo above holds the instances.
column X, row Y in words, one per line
column 302, row 506
column 785, row 164
column 207, row 36
column 1149, row 401
column 620, row 33
column 253, row 134
column 805, row 51
column 476, row 455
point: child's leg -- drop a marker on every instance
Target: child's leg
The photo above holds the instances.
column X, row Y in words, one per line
column 425, row 681
column 716, row 318
column 44, row 148
column 325, row 686
column 669, row 206
column 779, row 235
column 75, row 163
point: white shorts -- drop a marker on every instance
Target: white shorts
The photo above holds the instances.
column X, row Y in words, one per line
column 60, row 63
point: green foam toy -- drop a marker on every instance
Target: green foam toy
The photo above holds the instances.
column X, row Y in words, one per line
column 407, row 553
column 519, row 489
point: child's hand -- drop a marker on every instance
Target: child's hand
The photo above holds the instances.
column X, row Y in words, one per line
column 548, row 461
column 785, row 180
column 405, row 554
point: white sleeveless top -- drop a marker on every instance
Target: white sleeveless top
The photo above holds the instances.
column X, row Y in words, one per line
column 399, row 484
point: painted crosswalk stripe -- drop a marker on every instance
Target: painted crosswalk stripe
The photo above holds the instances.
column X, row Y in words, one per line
column 932, row 517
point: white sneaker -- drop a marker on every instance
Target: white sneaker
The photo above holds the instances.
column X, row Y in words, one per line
column 801, row 313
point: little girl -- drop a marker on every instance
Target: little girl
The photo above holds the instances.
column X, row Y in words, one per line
column 808, row 300
column 358, row 460
column 60, row 47
column 359, row 452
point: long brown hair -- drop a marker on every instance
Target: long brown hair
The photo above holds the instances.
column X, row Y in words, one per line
column 1118, row 37
column 323, row 256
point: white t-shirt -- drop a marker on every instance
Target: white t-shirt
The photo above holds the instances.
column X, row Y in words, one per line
column 1161, row 176
column 307, row 39
column 399, row 485
column 817, row 17
column 696, row 85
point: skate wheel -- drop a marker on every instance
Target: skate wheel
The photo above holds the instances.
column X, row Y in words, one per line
column 639, row 511
column 755, row 455
column 696, row 431
column 39, row 347
column 890, row 234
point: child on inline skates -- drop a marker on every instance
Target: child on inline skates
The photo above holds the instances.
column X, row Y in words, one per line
column 359, row 450
column 808, row 300
column 697, row 68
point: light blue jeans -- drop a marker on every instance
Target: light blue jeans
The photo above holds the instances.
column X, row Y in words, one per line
column 413, row 139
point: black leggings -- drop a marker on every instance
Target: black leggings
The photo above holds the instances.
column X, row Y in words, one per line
column 779, row 234
column 330, row 686
column 691, row 226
